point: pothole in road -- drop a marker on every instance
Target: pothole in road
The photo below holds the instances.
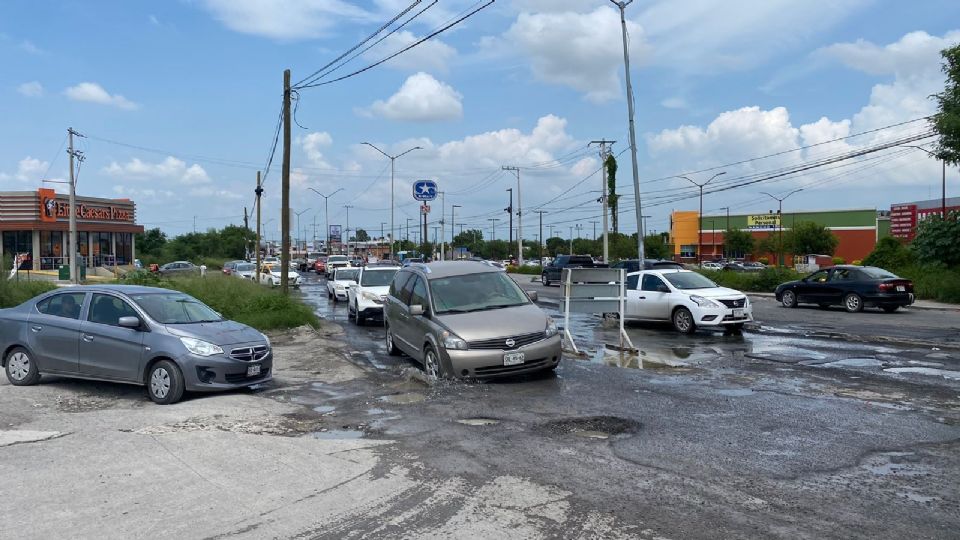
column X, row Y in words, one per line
column 591, row 427
column 478, row 421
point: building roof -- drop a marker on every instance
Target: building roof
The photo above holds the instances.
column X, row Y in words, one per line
column 932, row 203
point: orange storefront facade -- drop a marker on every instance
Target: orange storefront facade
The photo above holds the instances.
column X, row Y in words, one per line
column 857, row 231
column 36, row 226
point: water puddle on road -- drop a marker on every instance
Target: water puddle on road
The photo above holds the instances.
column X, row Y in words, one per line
column 324, row 409
column 478, row 421
column 945, row 373
column 404, row 399
column 735, row 392
column 854, row 362
column 337, row 434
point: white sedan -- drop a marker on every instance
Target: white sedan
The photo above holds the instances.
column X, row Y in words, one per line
column 340, row 281
column 685, row 298
column 270, row 275
column 365, row 299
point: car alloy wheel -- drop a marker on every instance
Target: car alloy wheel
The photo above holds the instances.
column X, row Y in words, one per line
column 431, row 365
column 789, row 299
column 392, row 349
column 853, row 302
column 683, row 321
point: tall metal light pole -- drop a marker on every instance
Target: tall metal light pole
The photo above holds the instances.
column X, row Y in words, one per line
column 943, row 185
column 700, row 214
column 392, row 160
column 348, row 207
column 453, row 222
column 298, row 214
column 326, row 215
column 519, row 216
column 780, row 219
column 633, row 135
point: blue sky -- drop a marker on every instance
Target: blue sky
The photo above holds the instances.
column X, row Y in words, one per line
column 196, row 85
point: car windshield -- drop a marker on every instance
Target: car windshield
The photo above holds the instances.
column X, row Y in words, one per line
column 349, row 274
column 247, row 267
column 377, row 278
column 476, row 292
column 689, row 280
column 877, row 273
column 175, row 308
column 337, row 258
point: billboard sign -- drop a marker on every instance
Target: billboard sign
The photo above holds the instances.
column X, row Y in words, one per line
column 335, row 233
column 424, row 190
column 763, row 222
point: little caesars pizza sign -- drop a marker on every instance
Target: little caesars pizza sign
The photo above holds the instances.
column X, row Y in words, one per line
column 763, row 222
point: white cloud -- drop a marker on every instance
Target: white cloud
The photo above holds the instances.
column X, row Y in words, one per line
column 506, row 146
column 211, row 192
column 144, row 193
column 421, row 99
column 170, row 170
column 284, row 19
column 581, row 51
column 916, row 53
column 731, row 134
column 432, row 55
column 31, row 89
column 312, row 143
column 545, row 6
column 28, row 46
column 94, row 93
column 29, row 169
column 674, row 103
column 585, row 166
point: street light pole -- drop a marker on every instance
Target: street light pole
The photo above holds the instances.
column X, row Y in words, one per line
column 299, row 231
column 727, row 208
column 700, row 215
column 453, row 223
column 540, row 253
column 493, row 228
column 326, row 214
column 392, row 160
column 348, row 207
column 780, row 216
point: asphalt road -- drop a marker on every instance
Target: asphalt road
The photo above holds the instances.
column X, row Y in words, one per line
column 935, row 328
column 718, row 436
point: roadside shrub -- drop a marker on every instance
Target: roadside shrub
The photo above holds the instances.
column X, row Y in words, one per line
column 527, row 270
column 13, row 292
column 763, row 260
column 933, row 282
column 839, row 260
column 889, row 254
column 765, row 280
column 141, row 277
column 857, row 262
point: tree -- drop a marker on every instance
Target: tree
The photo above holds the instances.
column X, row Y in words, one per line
column 150, row 242
column 362, row 236
column 889, row 253
column 738, row 242
column 655, row 248
column 938, row 240
column 946, row 122
column 612, row 197
column 556, row 246
column 471, row 239
column 806, row 238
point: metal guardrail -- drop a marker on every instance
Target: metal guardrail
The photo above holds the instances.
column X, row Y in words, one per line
column 594, row 290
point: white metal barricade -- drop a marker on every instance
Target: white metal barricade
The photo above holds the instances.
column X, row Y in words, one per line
column 594, row 290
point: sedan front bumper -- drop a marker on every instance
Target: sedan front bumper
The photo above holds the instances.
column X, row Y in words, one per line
column 722, row 316
column 220, row 372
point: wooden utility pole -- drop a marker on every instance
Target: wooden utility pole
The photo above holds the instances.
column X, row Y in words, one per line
column 604, row 189
column 541, row 242
column 259, row 192
column 285, row 189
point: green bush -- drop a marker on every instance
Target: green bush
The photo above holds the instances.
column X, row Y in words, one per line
column 932, row 282
column 527, row 270
column 13, row 292
column 889, row 254
column 839, row 260
column 765, row 280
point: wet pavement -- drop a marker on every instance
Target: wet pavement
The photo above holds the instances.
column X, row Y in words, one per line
column 784, row 431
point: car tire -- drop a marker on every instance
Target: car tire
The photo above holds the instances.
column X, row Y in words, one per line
column 683, row 321
column 853, row 303
column 164, row 383
column 890, row 309
column 392, row 349
column 433, row 365
column 789, row 299
column 360, row 318
column 544, row 280
column 21, row 369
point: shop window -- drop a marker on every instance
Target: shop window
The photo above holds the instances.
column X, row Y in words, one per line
column 688, row 251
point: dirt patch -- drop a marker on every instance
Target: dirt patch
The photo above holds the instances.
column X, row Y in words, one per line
column 285, row 425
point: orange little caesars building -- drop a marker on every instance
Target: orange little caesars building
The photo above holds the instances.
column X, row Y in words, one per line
column 857, row 230
column 38, row 223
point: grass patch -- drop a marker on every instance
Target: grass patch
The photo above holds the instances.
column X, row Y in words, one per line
column 932, row 282
column 13, row 292
column 240, row 300
column 765, row 280
column 527, row 270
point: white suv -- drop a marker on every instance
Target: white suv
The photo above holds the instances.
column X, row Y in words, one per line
column 365, row 299
column 341, row 279
column 685, row 298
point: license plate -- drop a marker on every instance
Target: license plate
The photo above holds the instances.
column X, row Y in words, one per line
column 737, row 313
column 512, row 359
column 901, row 288
column 253, row 370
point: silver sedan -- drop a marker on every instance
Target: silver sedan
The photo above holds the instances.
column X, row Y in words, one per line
column 165, row 340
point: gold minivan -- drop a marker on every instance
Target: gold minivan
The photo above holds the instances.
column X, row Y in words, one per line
column 468, row 319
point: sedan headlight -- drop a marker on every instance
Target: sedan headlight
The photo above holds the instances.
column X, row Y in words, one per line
column 703, row 302
column 200, row 347
column 552, row 329
column 451, row 341
column 265, row 338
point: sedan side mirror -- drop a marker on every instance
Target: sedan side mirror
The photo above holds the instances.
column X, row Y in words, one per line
column 129, row 322
column 533, row 296
column 416, row 310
